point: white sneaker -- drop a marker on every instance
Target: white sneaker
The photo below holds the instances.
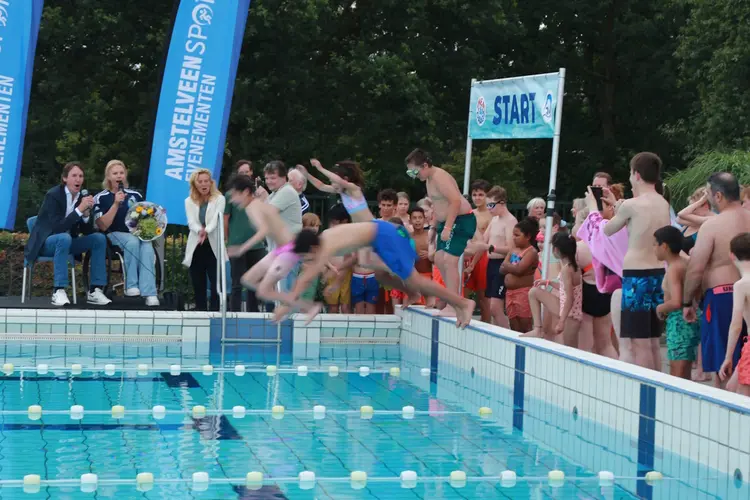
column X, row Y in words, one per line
column 97, row 298
column 60, row 298
column 152, row 301
column 132, row 292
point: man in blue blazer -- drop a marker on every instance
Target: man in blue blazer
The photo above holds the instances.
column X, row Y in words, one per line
column 63, row 228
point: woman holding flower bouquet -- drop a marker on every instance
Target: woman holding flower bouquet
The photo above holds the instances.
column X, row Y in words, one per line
column 111, row 208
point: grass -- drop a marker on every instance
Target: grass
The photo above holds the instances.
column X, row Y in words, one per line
column 683, row 183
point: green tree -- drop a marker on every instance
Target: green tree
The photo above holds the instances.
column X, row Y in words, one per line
column 714, row 58
column 682, row 184
column 497, row 165
column 92, row 98
column 367, row 81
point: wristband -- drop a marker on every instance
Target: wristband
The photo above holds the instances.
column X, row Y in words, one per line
column 689, row 304
column 491, row 249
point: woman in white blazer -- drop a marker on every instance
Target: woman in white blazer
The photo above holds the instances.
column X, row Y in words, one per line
column 203, row 208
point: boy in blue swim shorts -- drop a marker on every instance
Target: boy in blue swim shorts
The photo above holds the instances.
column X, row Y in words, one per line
column 391, row 243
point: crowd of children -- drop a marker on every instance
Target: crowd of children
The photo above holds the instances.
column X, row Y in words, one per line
column 624, row 270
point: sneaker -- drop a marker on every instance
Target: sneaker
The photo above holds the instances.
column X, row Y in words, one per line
column 97, row 298
column 132, row 292
column 60, row 298
column 152, row 301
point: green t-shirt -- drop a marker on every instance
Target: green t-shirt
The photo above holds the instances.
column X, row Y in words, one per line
column 240, row 228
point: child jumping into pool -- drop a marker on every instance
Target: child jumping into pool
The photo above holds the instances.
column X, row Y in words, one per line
column 275, row 266
column 390, row 243
column 740, row 252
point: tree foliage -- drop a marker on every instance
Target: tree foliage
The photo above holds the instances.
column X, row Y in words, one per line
column 714, row 55
column 683, row 183
column 369, row 81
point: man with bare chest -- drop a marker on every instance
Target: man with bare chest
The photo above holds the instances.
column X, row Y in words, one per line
column 643, row 274
column 456, row 223
column 475, row 263
column 711, row 268
column 496, row 241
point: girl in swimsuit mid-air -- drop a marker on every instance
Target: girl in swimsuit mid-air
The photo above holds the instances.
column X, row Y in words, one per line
column 349, row 184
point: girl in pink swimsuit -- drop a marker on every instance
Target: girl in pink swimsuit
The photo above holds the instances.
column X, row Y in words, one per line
column 571, row 289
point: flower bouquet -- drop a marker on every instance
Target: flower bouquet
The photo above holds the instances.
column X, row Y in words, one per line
column 147, row 221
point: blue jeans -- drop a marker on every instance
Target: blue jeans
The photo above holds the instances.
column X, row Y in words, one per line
column 139, row 259
column 61, row 246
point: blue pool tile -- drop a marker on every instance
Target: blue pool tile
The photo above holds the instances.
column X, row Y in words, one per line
column 287, row 334
column 94, row 427
column 181, row 380
column 434, row 350
column 646, row 438
column 519, row 381
column 216, row 427
column 265, row 493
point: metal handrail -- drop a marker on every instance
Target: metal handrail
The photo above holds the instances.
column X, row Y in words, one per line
column 221, row 277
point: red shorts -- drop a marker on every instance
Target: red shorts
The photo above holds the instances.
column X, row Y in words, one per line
column 421, row 300
column 477, row 280
column 437, row 277
column 743, row 367
column 517, row 303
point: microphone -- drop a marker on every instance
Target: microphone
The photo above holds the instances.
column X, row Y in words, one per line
column 84, row 193
column 121, row 186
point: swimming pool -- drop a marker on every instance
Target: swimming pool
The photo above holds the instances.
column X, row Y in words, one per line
column 528, row 435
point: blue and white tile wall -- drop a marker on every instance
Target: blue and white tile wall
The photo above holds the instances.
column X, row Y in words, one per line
column 91, row 356
column 199, row 332
column 601, row 413
column 308, row 338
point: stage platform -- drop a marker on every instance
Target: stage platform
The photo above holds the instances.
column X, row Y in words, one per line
column 118, row 304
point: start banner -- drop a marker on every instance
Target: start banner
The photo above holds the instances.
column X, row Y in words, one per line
column 514, row 108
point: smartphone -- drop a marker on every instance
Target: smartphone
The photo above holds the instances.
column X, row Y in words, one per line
column 597, row 192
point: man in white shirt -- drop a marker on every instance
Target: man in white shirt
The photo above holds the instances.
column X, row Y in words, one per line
column 286, row 200
column 63, row 228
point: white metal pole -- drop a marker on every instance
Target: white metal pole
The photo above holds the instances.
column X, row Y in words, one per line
column 467, row 181
column 221, row 278
column 467, row 164
column 553, row 172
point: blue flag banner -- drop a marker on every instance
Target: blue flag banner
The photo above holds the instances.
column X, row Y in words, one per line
column 195, row 99
column 514, row 108
column 19, row 28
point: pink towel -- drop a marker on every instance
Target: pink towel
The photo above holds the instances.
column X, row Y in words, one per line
column 608, row 251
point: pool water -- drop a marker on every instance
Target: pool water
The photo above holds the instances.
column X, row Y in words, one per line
column 57, row 447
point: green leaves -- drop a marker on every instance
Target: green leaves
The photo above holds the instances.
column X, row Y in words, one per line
column 714, row 59
column 683, row 183
column 370, row 81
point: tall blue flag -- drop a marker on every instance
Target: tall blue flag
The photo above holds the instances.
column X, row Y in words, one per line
column 19, row 28
column 195, row 99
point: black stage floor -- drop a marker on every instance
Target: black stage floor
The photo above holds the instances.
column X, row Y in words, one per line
column 118, row 304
